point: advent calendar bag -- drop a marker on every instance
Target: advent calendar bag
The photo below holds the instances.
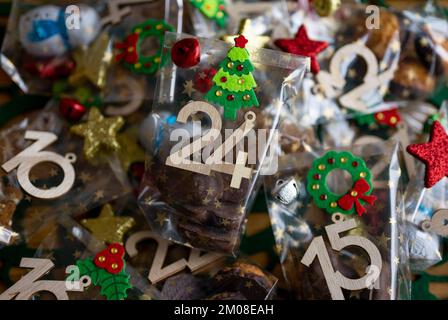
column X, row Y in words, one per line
column 338, row 222
column 214, row 117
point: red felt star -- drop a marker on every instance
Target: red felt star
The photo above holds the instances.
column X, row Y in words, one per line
column 434, row 154
column 304, row 46
column 240, row 41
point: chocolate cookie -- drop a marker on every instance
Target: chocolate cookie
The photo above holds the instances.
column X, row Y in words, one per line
column 411, row 80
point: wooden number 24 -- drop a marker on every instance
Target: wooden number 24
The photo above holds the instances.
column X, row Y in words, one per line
column 181, row 158
column 335, row 280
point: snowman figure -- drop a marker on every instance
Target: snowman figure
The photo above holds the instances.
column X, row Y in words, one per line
column 43, row 31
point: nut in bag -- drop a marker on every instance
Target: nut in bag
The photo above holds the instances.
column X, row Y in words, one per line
column 197, row 193
column 338, row 221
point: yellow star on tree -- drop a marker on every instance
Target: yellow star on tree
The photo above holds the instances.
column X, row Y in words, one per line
column 98, row 131
column 107, row 227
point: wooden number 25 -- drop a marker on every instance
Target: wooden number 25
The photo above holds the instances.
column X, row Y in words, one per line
column 335, row 280
column 34, row 155
column 181, row 158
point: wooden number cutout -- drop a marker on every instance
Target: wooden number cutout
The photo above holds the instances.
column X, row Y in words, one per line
column 438, row 223
column 157, row 271
column 116, row 14
column 181, row 159
column 335, row 280
column 29, row 284
column 332, row 83
column 34, row 155
column 135, row 101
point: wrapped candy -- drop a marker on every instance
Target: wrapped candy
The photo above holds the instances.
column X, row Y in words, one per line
column 82, row 50
column 44, row 32
column 204, row 204
column 45, row 174
column 362, row 69
column 338, row 221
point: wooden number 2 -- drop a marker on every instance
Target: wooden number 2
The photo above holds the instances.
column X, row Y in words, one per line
column 34, row 155
column 158, row 272
column 333, row 82
column 438, row 223
column 181, row 159
column 29, row 284
column 335, row 280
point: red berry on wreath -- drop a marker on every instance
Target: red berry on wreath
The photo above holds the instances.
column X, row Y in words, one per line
column 111, row 258
column 186, row 53
column 71, row 109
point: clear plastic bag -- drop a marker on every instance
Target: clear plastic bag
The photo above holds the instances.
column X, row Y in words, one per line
column 324, row 256
column 266, row 18
column 76, row 49
column 374, row 62
column 200, row 210
column 423, row 206
column 46, row 191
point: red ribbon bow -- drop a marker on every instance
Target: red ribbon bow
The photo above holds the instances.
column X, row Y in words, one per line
column 128, row 49
column 352, row 197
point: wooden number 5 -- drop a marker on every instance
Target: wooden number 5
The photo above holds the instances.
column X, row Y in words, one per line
column 34, row 155
column 335, row 280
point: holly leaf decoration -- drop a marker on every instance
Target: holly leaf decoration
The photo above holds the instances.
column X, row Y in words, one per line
column 113, row 286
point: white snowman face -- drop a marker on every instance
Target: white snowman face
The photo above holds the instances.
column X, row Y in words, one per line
column 40, row 30
column 90, row 25
column 50, row 47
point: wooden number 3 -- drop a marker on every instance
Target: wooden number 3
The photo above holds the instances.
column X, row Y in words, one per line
column 181, row 159
column 335, row 280
column 34, row 155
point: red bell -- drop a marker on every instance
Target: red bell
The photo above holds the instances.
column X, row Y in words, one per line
column 71, row 109
column 186, row 53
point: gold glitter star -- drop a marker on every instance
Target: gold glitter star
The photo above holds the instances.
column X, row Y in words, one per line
column 382, row 240
column 77, row 254
column 161, row 218
column 225, row 222
column 217, row 204
column 392, row 220
column 129, row 151
column 85, row 177
column 188, row 88
column 255, row 40
column 395, row 46
column 279, row 233
column 98, row 131
column 249, row 284
column 92, row 63
column 205, row 201
column 99, row 194
column 352, row 73
column 107, row 227
column 210, row 191
column 241, row 209
column 53, row 172
column 396, row 260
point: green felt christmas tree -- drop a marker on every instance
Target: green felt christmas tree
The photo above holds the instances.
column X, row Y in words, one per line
column 212, row 9
column 234, row 83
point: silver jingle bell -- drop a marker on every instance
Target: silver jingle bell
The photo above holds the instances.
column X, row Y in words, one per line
column 286, row 191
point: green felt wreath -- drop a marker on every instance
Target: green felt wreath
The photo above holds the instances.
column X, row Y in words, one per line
column 129, row 49
column 316, row 179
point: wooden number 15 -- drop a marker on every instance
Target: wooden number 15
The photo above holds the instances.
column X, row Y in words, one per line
column 335, row 280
